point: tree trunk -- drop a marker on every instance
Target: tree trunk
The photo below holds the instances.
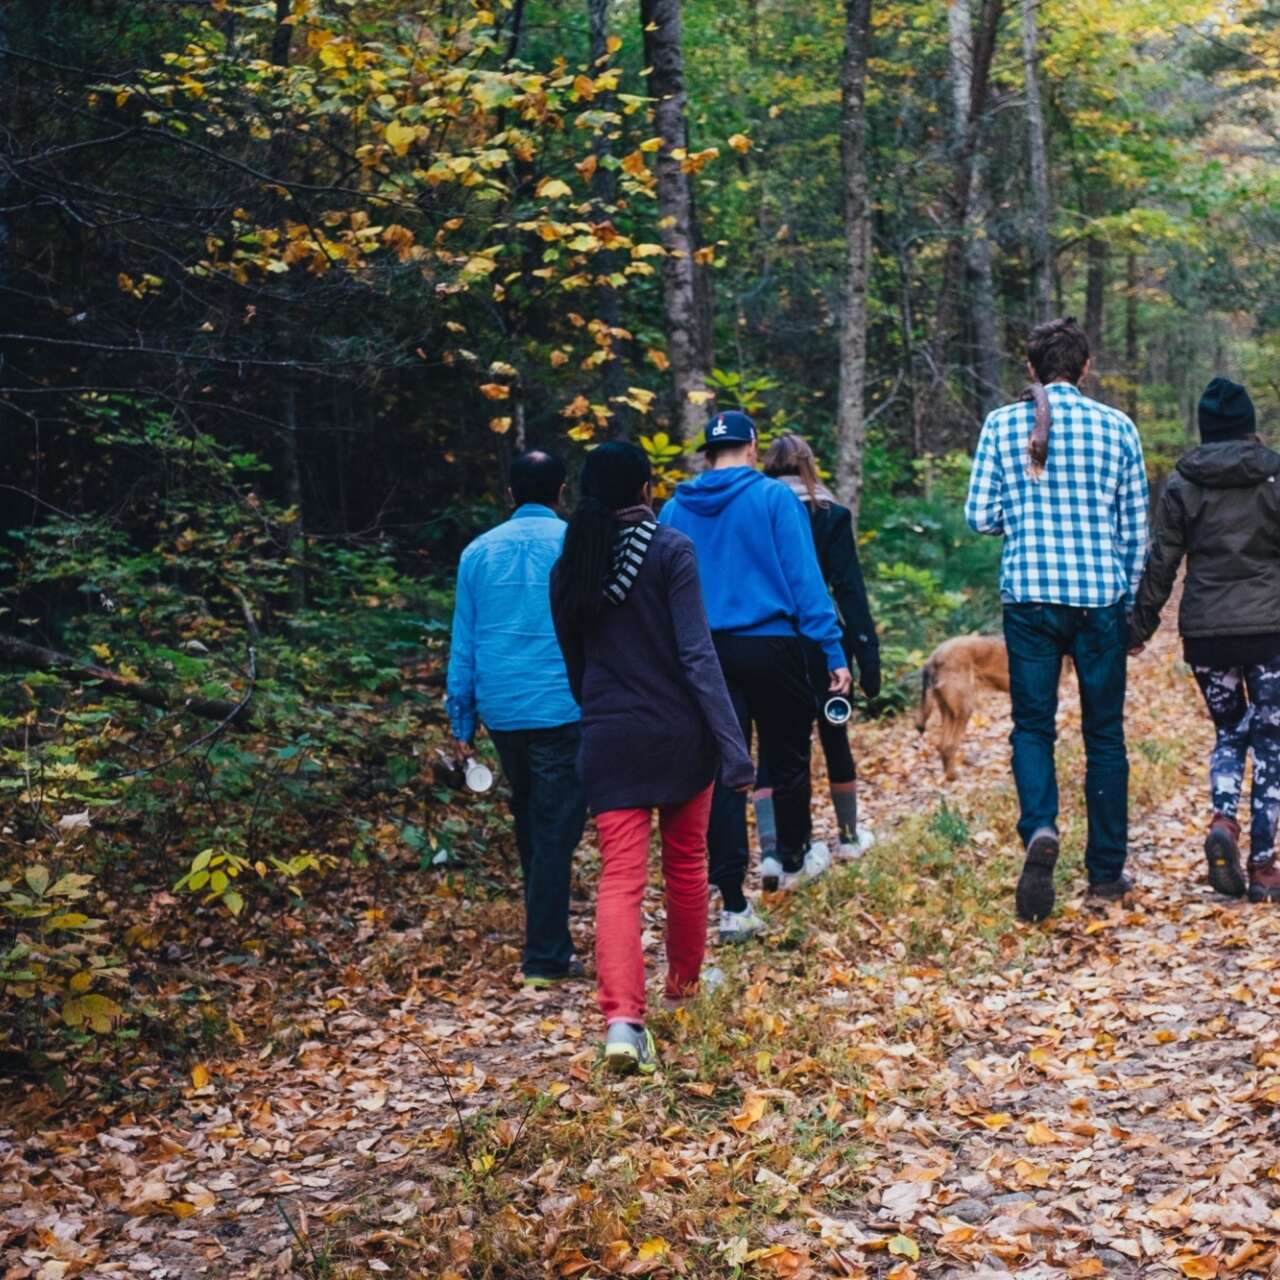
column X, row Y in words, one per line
column 1131, row 336
column 1095, row 292
column 932, row 424
column 4, row 172
column 660, row 20
column 850, row 410
column 604, row 195
column 282, row 38
column 297, row 550
column 1041, row 255
column 981, row 291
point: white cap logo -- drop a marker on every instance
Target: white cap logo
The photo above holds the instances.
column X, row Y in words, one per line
column 719, row 429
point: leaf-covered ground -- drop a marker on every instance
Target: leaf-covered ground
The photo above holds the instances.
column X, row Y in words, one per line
column 899, row 1080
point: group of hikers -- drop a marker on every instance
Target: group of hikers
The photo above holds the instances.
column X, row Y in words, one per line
column 623, row 661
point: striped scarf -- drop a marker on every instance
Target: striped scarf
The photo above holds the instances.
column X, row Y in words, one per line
column 629, row 550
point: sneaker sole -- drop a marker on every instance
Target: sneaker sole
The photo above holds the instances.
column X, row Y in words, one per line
column 729, row 939
column 1224, row 865
column 1035, row 897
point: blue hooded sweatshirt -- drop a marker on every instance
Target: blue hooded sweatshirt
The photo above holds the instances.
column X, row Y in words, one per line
column 759, row 569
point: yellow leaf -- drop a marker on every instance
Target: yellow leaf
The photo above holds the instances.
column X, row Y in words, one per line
column 740, row 143
column 81, row 981
column 180, row 1208
column 998, row 1120
column 1040, row 1135
column 553, row 189
column 753, row 1107
column 613, row 44
column 1201, row 1266
column 199, row 1075
column 494, row 390
column 647, row 251
column 500, row 426
column 905, row 1247
column 399, row 136
column 654, row 1247
column 1086, row 1268
column 651, row 144
column 103, row 651
column 658, row 359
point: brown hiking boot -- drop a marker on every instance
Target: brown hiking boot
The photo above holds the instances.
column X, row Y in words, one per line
column 1110, row 890
column 1034, row 896
column 1222, row 852
column 1264, row 881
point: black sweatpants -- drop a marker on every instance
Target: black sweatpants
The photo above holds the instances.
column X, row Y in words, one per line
column 769, row 683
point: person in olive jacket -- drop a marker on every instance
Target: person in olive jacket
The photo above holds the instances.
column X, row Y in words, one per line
column 790, row 460
column 1221, row 510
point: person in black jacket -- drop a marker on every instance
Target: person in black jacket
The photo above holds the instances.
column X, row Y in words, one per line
column 1221, row 510
column 791, row 460
column 658, row 729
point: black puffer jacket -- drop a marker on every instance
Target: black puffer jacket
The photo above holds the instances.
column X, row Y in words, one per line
column 837, row 548
column 1221, row 509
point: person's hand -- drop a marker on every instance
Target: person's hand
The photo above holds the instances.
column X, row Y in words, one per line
column 841, row 681
column 461, row 750
column 1133, row 643
column 1137, row 649
column 869, row 678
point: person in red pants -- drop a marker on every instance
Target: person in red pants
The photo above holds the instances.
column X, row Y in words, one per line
column 658, row 729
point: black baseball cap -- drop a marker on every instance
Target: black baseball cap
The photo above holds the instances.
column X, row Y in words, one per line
column 730, row 427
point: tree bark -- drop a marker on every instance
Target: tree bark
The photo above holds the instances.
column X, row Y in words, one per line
column 282, row 38
column 297, row 549
column 932, row 424
column 1095, row 293
column 664, row 56
column 604, row 195
column 1131, row 335
column 981, row 291
column 1041, row 253
column 851, row 424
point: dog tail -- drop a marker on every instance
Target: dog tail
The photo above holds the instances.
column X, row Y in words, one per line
column 926, row 696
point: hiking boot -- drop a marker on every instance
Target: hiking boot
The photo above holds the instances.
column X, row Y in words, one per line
column 1222, row 852
column 1110, row 890
column 853, row 845
column 740, row 926
column 770, row 873
column 1264, row 881
column 629, row 1048
column 817, row 860
column 1034, row 897
column 541, row 981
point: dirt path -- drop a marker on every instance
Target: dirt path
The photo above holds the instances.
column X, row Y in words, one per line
column 1107, row 1102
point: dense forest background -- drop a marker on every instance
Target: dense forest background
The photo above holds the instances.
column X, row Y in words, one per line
column 283, row 285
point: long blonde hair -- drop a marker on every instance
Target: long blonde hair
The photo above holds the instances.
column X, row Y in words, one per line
column 790, row 455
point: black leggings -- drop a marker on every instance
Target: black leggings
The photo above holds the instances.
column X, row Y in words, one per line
column 834, row 737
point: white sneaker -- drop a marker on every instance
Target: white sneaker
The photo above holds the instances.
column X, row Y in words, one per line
column 816, row 862
column 849, row 850
column 710, row 980
column 738, row 926
column 770, row 873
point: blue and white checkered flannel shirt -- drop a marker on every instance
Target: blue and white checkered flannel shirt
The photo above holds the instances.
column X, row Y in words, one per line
column 1078, row 535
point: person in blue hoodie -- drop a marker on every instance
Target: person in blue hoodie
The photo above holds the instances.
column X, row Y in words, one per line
column 764, row 596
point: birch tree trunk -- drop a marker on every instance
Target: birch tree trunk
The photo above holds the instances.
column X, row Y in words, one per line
column 851, row 424
column 1041, row 260
column 660, row 20
column 931, row 428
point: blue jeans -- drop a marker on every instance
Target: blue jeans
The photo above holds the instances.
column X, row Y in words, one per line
column 541, row 767
column 1038, row 637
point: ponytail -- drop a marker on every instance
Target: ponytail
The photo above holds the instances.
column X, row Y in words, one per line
column 613, row 477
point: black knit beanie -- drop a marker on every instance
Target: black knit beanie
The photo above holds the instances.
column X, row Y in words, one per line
column 1226, row 412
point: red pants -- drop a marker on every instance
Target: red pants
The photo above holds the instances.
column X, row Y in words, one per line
column 624, row 857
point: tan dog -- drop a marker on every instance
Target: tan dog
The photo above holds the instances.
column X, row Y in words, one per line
column 956, row 670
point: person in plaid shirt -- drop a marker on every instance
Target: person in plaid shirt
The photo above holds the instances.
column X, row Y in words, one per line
column 1074, row 522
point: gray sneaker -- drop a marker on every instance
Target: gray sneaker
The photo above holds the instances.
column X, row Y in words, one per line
column 740, row 926
column 628, row 1049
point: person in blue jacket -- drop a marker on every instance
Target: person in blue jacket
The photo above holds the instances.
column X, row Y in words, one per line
column 765, row 597
column 506, row 669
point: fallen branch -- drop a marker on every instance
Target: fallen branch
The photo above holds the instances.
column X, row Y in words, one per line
column 20, row 653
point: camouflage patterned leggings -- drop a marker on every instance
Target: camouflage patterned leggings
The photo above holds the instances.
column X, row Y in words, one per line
column 1244, row 703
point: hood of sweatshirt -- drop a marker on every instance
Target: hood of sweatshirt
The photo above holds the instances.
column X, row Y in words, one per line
column 1230, row 464
column 711, row 492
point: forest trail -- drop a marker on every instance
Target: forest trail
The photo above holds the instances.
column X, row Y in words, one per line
column 1099, row 1096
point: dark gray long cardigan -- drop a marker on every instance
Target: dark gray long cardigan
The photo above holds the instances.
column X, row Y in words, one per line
column 657, row 720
